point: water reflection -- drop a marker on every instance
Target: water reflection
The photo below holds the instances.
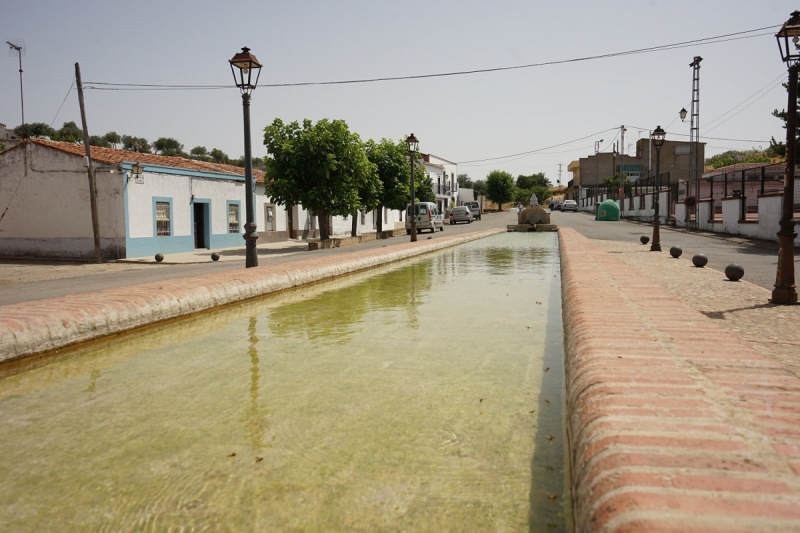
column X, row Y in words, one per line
column 332, row 316
column 385, row 401
column 255, row 414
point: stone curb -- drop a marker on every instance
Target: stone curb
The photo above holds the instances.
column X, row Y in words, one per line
column 674, row 423
column 40, row 326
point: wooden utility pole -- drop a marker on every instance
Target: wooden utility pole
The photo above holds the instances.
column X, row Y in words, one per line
column 90, row 169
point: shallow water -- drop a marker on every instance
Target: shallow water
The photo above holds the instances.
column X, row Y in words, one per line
column 425, row 396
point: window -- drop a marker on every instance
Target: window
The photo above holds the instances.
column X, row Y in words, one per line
column 163, row 227
column 233, row 218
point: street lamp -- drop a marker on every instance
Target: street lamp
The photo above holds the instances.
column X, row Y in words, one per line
column 682, row 113
column 658, row 142
column 413, row 145
column 785, row 291
column 243, row 66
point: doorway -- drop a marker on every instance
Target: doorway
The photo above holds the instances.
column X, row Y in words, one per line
column 201, row 229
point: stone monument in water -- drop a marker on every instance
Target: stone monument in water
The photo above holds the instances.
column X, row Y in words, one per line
column 534, row 213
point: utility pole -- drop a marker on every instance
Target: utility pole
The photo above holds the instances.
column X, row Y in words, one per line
column 90, row 169
column 559, row 174
column 621, row 159
column 18, row 48
column 694, row 142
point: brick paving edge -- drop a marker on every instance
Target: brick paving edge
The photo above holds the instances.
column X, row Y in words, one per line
column 674, row 423
column 37, row 327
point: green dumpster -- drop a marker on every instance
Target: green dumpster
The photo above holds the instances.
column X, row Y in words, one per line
column 608, row 210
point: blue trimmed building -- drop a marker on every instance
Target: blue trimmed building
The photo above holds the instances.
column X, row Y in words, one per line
column 173, row 205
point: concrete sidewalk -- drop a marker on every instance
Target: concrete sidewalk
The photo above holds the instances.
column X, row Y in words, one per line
column 683, row 394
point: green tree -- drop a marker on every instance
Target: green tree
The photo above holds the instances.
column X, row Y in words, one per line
column 113, row 138
column 218, row 156
column 464, row 181
column 394, row 173
column 200, row 152
column 423, row 185
column 35, row 129
column 534, row 180
column 96, row 140
column 69, row 132
column 168, row 146
column 779, row 148
column 499, row 187
column 320, row 166
column 479, row 187
column 136, row 144
column 731, row 157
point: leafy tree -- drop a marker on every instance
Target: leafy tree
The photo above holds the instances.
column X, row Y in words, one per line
column 731, row 157
column 218, row 156
column 96, row 140
column 499, row 187
column 136, row 144
column 780, row 147
column 199, row 152
column 35, row 129
column 321, row 166
column 168, row 146
column 69, row 132
column 479, row 187
column 534, row 180
column 113, row 138
column 464, row 181
column 423, row 185
column 394, row 172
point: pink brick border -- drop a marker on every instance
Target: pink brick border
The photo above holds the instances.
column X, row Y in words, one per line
column 675, row 424
column 35, row 327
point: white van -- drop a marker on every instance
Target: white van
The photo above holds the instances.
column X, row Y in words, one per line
column 427, row 215
column 475, row 209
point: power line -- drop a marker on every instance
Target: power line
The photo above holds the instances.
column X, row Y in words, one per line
column 62, row 102
column 535, row 150
column 706, row 40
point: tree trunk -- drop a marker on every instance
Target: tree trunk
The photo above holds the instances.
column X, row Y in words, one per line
column 379, row 213
column 324, row 230
column 354, row 228
column 289, row 221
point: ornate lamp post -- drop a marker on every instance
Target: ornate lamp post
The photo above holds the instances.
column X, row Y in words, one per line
column 413, row 145
column 785, row 291
column 246, row 69
column 658, row 141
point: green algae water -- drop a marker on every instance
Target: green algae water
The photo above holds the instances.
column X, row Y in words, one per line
column 424, row 396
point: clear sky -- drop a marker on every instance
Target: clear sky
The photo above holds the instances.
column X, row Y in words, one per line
column 460, row 118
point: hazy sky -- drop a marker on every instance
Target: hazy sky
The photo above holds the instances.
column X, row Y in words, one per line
column 460, row 118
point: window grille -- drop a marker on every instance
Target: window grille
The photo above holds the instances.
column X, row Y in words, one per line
column 233, row 218
column 162, row 219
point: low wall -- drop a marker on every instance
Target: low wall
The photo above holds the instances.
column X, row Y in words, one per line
column 674, row 423
column 35, row 327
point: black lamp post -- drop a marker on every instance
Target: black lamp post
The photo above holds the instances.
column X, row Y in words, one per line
column 785, row 291
column 614, row 154
column 682, row 114
column 413, row 145
column 243, row 66
column 658, row 141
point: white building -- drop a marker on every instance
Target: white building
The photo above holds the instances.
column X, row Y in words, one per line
column 175, row 205
column 443, row 174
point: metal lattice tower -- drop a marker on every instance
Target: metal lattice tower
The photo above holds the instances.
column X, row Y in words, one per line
column 694, row 139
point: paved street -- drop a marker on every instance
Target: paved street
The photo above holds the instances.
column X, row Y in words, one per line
column 23, row 281
column 758, row 258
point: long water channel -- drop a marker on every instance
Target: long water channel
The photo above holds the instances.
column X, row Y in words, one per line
column 421, row 396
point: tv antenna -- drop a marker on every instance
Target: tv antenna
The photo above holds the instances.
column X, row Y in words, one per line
column 17, row 46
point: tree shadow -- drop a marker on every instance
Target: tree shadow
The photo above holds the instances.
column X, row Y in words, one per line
column 720, row 315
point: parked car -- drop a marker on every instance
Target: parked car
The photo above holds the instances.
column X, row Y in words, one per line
column 555, row 205
column 569, row 205
column 427, row 217
column 474, row 208
column 461, row 214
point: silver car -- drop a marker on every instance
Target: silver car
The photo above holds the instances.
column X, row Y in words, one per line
column 569, row 205
column 461, row 214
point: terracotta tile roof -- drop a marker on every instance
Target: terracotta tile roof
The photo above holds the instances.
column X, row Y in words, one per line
column 114, row 156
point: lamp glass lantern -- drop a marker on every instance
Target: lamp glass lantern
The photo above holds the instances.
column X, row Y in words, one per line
column 136, row 171
column 413, row 143
column 246, row 70
column 658, row 137
column 682, row 113
column 789, row 39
